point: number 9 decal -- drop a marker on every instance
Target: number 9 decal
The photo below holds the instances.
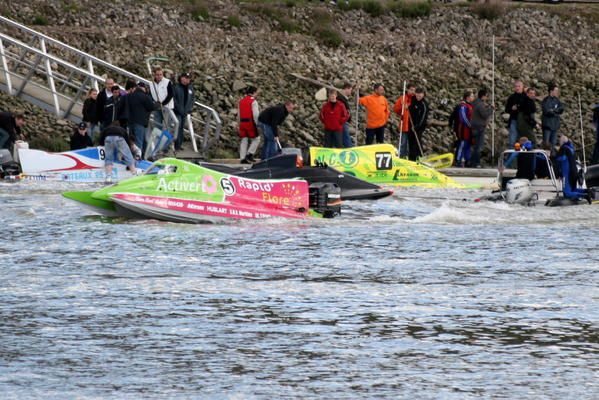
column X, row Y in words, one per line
column 102, row 154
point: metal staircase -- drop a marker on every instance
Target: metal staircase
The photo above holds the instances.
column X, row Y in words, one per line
column 56, row 77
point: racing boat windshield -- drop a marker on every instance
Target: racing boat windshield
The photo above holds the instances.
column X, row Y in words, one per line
column 159, row 168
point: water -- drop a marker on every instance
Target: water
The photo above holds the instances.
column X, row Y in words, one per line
column 400, row 298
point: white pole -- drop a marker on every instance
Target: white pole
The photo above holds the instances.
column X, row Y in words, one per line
column 493, row 104
column 584, row 158
column 403, row 108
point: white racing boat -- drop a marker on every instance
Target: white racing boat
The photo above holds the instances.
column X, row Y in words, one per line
column 85, row 165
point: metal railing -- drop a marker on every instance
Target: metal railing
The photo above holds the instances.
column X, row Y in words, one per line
column 56, row 77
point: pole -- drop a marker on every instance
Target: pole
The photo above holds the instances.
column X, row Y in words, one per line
column 493, row 103
column 357, row 114
column 584, row 158
column 403, row 108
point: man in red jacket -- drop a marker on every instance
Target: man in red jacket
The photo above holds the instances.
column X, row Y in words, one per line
column 333, row 115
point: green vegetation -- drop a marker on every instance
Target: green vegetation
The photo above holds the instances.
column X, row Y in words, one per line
column 234, row 21
column 411, row 9
column 70, row 6
column 198, row 9
column 323, row 29
column 40, row 20
column 372, row 7
column 489, row 10
column 270, row 11
column 53, row 144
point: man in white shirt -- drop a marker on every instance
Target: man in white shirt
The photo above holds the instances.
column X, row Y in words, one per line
column 162, row 92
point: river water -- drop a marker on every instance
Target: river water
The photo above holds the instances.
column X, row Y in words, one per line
column 401, row 298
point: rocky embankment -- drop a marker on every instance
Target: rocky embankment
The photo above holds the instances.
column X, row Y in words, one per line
column 230, row 44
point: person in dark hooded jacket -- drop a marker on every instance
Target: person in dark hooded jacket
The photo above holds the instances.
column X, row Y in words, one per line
column 568, row 170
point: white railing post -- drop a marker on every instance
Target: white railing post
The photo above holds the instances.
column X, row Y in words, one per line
column 90, row 68
column 5, row 68
column 50, row 77
column 192, row 134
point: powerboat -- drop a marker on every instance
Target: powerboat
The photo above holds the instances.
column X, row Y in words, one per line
column 179, row 191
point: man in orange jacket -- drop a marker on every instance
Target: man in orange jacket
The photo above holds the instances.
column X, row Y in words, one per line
column 377, row 114
column 401, row 109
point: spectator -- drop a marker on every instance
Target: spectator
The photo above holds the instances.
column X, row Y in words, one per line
column 114, row 139
column 89, row 112
column 140, row 107
column 344, row 97
column 595, row 157
column 481, row 113
column 248, row 125
column 162, row 91
column 270, row 119
column 101, row 100
column 333, row 116
column 115, row 108
column 184, row 97
column 417, row 114
column 512, row 107
column 401, row 109
column 10, row 129
column 464, row 130
column 80, row 139
column 526, row 115
column 130, row 86
column 552, row 108
column 377, row 114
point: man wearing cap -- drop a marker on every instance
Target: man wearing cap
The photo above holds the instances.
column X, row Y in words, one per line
column 140, row 107
column 377, row 114
column 80, row 139
column 184, row 97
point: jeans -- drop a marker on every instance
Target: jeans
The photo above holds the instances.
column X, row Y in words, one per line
column 403, row 145
column 91, row 130
column 4, row 139
column 179, row 140
column 269, row 149
column 378, row 132
column 139, row 133
column 550, row 136
column 347, row 140
column 463, row 153
column 479, row 143
column 158, row 119
column 513, row 135
column 113, row 144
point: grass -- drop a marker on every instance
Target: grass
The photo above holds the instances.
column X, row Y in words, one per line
column 323, row 29
column 40, row 20
column 53, row 144
column 198, row 9
column 489, row 10
column 373, row 7
column 234, row 21
column 411, row 9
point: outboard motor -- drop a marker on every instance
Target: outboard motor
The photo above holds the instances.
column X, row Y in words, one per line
column 8, row 167
column 518, row 191
column 325, row 199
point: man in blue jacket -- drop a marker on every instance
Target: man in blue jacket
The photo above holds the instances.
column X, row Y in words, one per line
column 568, row 169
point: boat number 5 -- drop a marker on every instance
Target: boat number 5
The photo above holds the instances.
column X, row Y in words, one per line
column 227, row 186
column 383, row 160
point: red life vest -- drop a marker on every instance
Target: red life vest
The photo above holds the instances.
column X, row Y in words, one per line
column 247, row 126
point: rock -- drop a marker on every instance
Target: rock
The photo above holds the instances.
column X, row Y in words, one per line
column 238, row 85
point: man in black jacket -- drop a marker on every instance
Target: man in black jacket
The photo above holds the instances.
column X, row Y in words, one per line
column 80, row 139
column 270, row 119
column 140, row 107
column 512, row 107
column 418, row 110
column 184, row 97
column 10, row 128
column 103, row 96
column 344, row 96
column 115, row 140
column 526, row 121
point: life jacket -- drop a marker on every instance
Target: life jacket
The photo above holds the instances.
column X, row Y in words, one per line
column 246, row 116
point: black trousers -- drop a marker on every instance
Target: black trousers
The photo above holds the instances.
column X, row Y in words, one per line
column 333, row 139
column 413, row 148
column 378, row 132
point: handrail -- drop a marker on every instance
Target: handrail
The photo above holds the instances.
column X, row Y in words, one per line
column 211, row 120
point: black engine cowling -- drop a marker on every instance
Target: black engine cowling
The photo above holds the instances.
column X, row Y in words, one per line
column 8, row 167
column 325, row 199
column 592, row 176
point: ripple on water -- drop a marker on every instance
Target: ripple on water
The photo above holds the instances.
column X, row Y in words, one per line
column 433, row 298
